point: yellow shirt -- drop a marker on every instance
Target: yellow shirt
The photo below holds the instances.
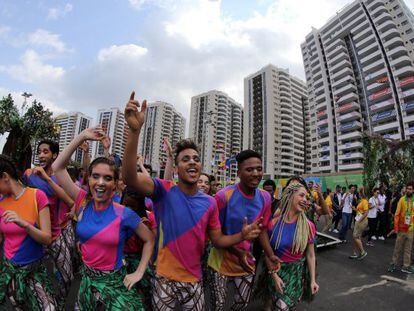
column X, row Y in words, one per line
column 328, row 201
column 363, row 207
column 405, row 207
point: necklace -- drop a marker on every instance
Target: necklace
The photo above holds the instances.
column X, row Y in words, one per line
column 20, row 194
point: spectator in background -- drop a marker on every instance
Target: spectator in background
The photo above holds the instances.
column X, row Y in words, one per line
column 270, row 186
column 337, row 207
column 361, row 223
column 328, row 217
column 382, row 215
column 347, row 212
column 372, row 216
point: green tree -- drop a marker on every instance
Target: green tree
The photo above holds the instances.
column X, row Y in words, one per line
column 25, row 129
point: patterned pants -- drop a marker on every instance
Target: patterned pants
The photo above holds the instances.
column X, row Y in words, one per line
column 167, row 294
column 243, row 289
column 61, row 251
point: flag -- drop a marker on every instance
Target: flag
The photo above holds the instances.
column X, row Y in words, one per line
column 382, row 80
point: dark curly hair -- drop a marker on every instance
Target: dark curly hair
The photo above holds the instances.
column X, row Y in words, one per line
column 183, row 145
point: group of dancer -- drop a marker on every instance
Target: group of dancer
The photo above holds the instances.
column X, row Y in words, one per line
column 157, row 245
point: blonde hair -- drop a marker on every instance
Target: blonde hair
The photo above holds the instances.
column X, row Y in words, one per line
column 302, row 231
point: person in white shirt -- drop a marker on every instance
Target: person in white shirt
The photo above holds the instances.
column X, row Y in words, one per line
column 372, row 216
column 382, row 216
column 347, row 212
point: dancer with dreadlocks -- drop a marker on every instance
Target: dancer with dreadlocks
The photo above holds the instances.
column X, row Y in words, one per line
column 291, row 237
column 103, row 226
column 24, row 229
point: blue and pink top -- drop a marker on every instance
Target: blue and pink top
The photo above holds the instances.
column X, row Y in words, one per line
column 102, row 233
column 234, row 206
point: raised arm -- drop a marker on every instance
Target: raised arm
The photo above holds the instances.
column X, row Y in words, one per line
column 169, row 165
column 135, row 119
column 62, row 161
column 61, row 194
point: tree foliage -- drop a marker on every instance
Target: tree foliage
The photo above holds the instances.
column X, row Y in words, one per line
column 387, row 160
column 25, row 129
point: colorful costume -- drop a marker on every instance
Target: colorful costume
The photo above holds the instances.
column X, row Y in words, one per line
column 61, row 249
column 102, row 235
column 234, row 206
column 182, row 222
column 22, row 274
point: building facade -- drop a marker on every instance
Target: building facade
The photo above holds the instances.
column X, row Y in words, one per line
column 274, row 104
column 161, row 121
column 70, row 125
column 360, row 76
column 216, row 127
column 112, row 121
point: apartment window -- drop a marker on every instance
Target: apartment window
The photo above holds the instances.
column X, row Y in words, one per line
column 409, row 31
column 396, row 7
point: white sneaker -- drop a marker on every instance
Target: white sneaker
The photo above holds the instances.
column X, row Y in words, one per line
column 335, row 231
column 381, row 238
column 374, row 238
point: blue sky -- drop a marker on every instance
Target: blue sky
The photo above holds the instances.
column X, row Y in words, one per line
column 84, row 55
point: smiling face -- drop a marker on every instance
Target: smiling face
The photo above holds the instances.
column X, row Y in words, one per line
column 300, row 197
column 102, row 182
column 203, row 184
column 250, row 172
column 188, row 166
column 45, row 155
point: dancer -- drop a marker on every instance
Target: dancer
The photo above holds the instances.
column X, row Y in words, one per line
column 236, row 202
column 185, row 217
column 24, row 230
column 102, row 228
column 62, row 246
column 291, row 237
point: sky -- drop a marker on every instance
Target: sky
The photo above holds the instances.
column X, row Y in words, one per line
column 86, row 55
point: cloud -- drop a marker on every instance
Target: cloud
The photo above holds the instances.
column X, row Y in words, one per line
column 121, row 53
column 139, row 4
column 56, row 13
column 33, row 70
column 4, row 30
column 42, row 37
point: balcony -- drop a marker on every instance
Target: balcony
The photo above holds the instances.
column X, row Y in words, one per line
column 323, row 140
column 378, row 9
column 343, row 81
column 338, row 50
column 368, row 50
column 397, row 51
column 322, row 122
column 381, row 116
column 406, row 93
column 353, row 145
column 351, row 167
column 408, row 106
column 342, row 73
column 349, row 87
column 348, row 97
column 410, row 131
column 360, row 35
column 365, row 42
column 381, row 94
column 351, row 106
column 351, row 156
column 389, row 34
column 409, row 81
column 338, row 57
column 402, row 60
column 382, row 18
column 350, row 126
column 321, row 114
column 351, row 116
column 386, row 127
column 369, row 58
column 343, row 64
column 394, row 42
column 373, row 66
column 382, row 105
column 375, row 75
column 348, row 136
column 404, row 71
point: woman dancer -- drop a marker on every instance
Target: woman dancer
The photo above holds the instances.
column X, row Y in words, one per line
column 102, row 228
column 361, row 224
column 24, row 230
column 292, row 237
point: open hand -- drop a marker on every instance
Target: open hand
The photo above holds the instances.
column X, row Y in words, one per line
column 133, row 116
column 252, row 231
column 106, row 142
column 167, row 148
column 84, row 146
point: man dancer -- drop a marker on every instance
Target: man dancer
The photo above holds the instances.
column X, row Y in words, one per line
column 235, row 203
column 61, row 249
column 184, row 218
column 337, row 207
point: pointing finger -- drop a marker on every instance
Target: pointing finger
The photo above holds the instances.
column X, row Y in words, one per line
column 132, row 96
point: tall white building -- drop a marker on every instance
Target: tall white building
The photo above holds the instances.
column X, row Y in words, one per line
column 70, row 125
column 161, row 121
column 216, row 127
column 274, row 103
column 112, row 121
column 360, row 75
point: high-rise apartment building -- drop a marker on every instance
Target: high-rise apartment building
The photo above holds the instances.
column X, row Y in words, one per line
column 70, row 125
column 216, row 127
column 360, row 76
column 112, row 121
column 161, row 121
column 274, row 104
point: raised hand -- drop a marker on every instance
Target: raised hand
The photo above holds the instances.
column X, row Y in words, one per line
column 84, row 146
column 133, row 116
column 93, row 133
column 252, row 231
column 106, row 142
column 168, row 148
column 39, row 171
